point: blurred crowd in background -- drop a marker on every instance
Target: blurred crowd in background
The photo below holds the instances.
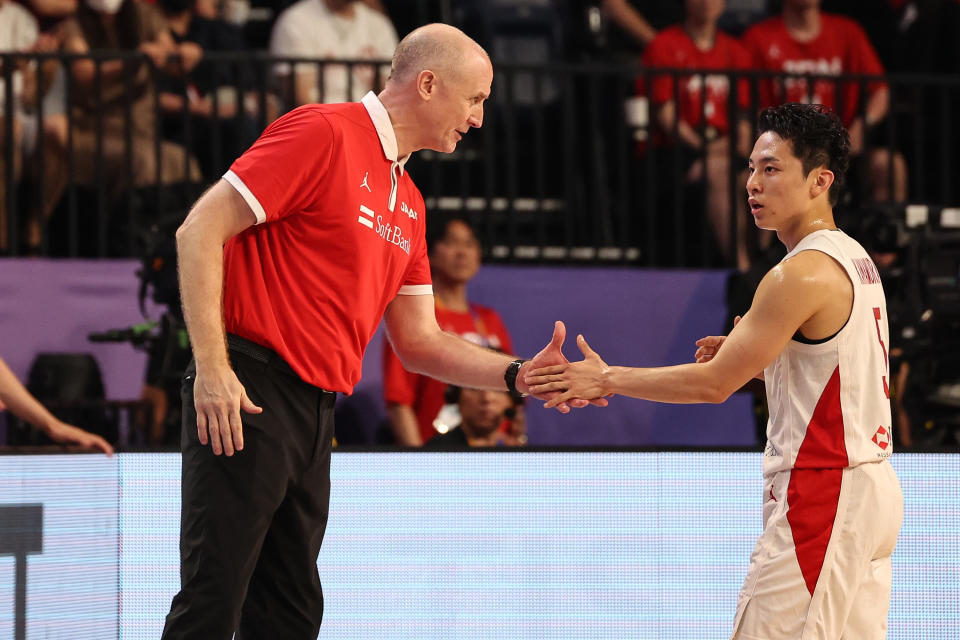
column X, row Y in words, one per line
column 617, row 133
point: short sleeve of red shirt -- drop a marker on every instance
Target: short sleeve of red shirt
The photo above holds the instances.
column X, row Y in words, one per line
column 399, row 385
column 278, row 175
column 752, row 44
column 740, row 59
column 660, row 54
column 754, row 40
column 862, row 56
column 418, row 273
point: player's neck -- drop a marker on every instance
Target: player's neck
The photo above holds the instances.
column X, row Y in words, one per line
column 703, row 34
column 817, row 219
column 450, row 295
column 802, row 24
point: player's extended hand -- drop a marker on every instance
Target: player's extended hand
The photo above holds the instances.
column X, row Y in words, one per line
column 551, row 355
column 219, row 397
column 708, row 346
column 68, row 434
column 571, row 381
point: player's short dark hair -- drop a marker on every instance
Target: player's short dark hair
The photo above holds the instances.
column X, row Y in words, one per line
column 817, row 137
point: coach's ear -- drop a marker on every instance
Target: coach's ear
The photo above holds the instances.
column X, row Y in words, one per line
column 822, row 181
column 426, row 84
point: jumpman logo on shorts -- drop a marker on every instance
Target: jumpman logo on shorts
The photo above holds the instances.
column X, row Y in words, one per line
column 364, row 185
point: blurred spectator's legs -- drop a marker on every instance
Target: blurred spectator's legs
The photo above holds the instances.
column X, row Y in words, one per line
column 719, row 203
column 174, row 166
column 54, row 146
column 14, row 152
column 886, row 169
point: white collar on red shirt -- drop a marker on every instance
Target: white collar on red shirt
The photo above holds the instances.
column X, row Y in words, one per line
column 381, row 121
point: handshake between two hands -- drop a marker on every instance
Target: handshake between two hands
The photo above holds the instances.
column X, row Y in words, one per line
column 562, row 384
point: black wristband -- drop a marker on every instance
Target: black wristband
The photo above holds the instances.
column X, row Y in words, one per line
column 510, row 377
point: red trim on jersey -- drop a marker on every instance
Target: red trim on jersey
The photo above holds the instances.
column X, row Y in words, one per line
column 823, row 446
column 812, row 496
column 814, row 487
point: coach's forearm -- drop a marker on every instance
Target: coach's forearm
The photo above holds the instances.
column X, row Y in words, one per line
column 200, row 262
column 451, row 359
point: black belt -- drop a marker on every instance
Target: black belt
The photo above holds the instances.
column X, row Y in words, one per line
column 262, row 354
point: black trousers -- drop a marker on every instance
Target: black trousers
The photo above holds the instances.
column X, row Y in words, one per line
column 251, row 524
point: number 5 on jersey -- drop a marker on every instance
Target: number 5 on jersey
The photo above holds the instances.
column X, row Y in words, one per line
column 876, row 316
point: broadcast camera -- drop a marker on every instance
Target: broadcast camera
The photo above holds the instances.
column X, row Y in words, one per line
column 164, row 339
column 917, row 249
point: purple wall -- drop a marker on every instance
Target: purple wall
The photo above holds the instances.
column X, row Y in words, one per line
column 51, row 306
column 631, row 317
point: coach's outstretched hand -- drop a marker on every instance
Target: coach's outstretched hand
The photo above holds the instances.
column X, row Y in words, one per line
column 552, row 356
column 573, row 383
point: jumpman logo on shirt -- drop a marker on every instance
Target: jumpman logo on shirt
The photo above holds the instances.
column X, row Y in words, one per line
column 364, row 183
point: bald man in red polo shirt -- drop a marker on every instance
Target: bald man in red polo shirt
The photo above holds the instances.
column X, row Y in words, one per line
column 288, row 264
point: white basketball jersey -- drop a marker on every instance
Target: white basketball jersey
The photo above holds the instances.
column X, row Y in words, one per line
column 830, row 402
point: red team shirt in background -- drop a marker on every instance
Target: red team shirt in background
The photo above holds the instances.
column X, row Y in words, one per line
column 481, row 325
column 314, row 288
column 841, row 47
column 700, row 96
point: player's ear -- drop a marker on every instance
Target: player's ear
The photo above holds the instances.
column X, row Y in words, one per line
column 823, row 179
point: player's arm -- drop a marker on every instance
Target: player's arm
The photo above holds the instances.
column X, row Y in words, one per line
column 630, row 20
column 220, row 214
column 403, row 422
column 22, row 404
column 667, row 119
column 788, row 296
column 399, row 389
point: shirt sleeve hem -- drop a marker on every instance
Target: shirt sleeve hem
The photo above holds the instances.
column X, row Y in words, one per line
column 416, row 290
column 247, row 195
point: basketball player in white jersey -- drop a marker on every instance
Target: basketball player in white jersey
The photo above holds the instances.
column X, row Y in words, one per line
column 817, row 334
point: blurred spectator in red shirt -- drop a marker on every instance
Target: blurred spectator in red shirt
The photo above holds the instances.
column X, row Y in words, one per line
column 414, row 401
column 701, row 123
column 805, row 40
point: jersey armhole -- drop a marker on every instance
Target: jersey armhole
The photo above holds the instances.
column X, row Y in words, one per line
column 798, row 336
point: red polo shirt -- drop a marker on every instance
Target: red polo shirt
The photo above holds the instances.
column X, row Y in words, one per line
column 840, row 47
column 339, row 233
column 699, row 95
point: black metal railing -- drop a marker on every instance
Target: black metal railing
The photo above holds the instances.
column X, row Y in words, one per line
column 573, row 161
